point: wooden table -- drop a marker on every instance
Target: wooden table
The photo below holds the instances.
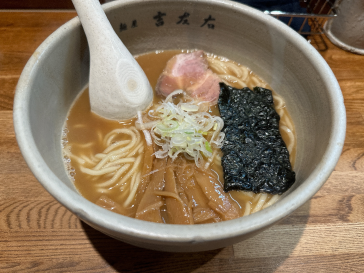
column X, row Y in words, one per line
column 38, row 234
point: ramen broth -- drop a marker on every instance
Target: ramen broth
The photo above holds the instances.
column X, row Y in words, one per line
column 85, row 131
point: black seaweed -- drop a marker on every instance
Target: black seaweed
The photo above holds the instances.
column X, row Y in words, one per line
column 255, row 156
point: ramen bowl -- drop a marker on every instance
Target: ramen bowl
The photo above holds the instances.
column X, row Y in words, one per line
column 58, row 71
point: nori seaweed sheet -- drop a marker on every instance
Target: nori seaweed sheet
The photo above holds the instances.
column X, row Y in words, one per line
column 255, row 156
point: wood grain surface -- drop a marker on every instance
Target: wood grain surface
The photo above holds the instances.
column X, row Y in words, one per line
column 37, row 234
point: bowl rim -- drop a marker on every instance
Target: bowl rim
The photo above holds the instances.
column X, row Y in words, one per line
column 169, row 234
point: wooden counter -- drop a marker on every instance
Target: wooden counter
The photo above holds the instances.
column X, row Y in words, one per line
column 38, row 234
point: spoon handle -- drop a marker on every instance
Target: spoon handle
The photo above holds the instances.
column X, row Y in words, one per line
column 96, row 25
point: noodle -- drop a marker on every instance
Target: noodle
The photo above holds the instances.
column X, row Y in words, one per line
column 256, row 82
column 94, row 159
column 218, row 68
column 247, row 209
column 78, row 159
column 137, row 149
column 287, row 122
column 114, row 145
column 115, row 177
column 273, row 200
column 99, row 172
column 261, row 202
column 113, row 163
column 248, row 193
column 120, row 161
column 87, row 160
column 131, row 172
column 291, row 137
column 233, row 79
column 236, row 70
column 116, row 154
column 110, row 136
column 135, row 184
column 278, row 101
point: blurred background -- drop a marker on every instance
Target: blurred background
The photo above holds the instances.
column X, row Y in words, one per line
column 305, row 16
column 39, row 4
column 285, row 5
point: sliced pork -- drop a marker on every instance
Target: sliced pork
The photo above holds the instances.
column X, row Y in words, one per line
column 190, row 73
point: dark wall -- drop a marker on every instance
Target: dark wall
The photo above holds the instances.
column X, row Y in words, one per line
column 284, row 5
column 38, row 4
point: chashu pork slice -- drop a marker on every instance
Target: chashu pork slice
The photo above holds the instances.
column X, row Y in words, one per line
column 190, row 73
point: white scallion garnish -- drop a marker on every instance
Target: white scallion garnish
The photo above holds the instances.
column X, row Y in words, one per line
column 180, row 128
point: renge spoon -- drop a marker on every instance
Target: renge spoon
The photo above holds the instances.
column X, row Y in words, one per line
column 118, row 86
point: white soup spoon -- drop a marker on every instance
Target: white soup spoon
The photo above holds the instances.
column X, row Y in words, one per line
column 118, row 86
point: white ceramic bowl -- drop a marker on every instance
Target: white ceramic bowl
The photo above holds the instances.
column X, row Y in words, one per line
column 59, row 70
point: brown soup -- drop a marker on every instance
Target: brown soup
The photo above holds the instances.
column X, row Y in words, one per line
column 181, row 193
